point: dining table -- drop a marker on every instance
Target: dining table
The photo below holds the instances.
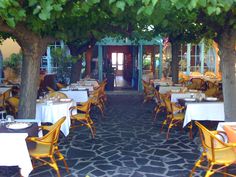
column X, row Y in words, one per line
column 78, row 95
column 164, row 89
column 181, row 95
column 52, row 110
column 204, row 111
column 13, row 148
column 92, row 82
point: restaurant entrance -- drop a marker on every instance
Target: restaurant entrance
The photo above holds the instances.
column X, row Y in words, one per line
column 119, row 59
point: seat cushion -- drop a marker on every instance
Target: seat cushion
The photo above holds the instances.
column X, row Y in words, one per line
column 41, row 150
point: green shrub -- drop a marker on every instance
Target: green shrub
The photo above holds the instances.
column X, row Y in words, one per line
column 14, row 62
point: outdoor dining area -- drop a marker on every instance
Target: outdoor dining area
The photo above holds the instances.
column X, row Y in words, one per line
column 198, row 98
column 117, row 88
column 62, row 111
column 79, row 129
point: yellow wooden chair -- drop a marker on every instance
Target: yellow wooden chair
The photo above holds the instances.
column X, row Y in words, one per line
column 148, row 91
column 160, row 105
column 183, row 78
column 47, row 147
column 212, row 92
column 83, row 117
column 50, row 89
column 12, row 104
column 102, row 91
column 97, row 99
column 175, row 116
column 196, row 83
column 217, row 155
column 210, row 74
column 60, row 86
column 3, row 97
column 56, row 95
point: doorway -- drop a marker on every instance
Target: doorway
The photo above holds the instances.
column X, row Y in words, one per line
column 118, row 63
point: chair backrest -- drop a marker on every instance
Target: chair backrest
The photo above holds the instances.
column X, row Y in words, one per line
column 60, row 86
column 199, row 83
column 12, row 104
column 4, row 96
column 57, row 95
column 212, row 92
column 52, row 136
column 210, row 74
column 210, row 142
column 196, row 73
column 168, row 104
column 85, row 107
column 50, row 89
column 159, row 96
column 230, row 130
column 210, row 84
column 145, row 82
column 147, row 88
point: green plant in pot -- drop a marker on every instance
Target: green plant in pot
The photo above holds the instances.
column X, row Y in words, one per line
column 63, row 61
column 12, row 65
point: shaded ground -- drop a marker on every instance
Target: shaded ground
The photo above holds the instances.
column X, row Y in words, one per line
column 126, row 145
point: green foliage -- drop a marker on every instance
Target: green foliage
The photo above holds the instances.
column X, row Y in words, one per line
column 63, row 61
column 146, row 62
column 14, row 62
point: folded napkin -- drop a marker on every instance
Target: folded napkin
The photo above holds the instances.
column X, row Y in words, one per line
column 230, row 130
column 65, row 99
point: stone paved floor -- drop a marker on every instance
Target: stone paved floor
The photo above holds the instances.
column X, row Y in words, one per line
column 126, row 145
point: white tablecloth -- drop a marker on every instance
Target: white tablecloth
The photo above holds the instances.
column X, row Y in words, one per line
column 94, row 83
column 176, row 96
column 52, row 113
column 89, row 87
column 4, row 89
column 164, row 89
column 14, row 152
column 161, row 83
column 212, row 111
column 77, row 96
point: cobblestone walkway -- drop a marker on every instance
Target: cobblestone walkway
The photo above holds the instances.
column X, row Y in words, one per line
column 126, row 145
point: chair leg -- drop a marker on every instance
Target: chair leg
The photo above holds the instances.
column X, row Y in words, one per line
column 156, row 111
column 54, row 166
column 61, row 157
column 91, row 130
column 169, row 127
column 209, row 171
column 195, row 166
column 101, row 109
column 190, row 131
column 163, row 124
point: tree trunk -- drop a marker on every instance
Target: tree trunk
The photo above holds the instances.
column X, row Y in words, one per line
column 175, row 61
column 228, row 58
column 75, row 51
column 76, row 71
column 32, row 54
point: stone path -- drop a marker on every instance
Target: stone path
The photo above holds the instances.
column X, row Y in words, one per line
column 126, row 145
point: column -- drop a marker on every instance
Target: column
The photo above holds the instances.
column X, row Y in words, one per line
column 188, row 59
column 49, row 59
column 160, row 62
column 202, row 46
column 88, row 58
column 140, row 67
column 100, row 58
column 62, row 44
column 134, row 67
